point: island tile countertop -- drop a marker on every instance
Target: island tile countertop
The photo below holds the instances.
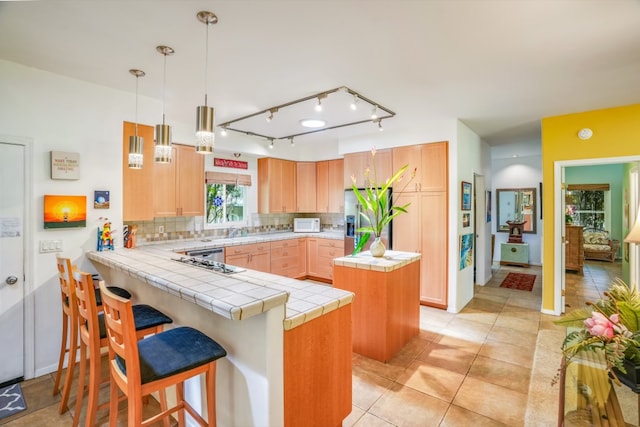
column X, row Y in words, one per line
column 389, row 262
column 235, row 296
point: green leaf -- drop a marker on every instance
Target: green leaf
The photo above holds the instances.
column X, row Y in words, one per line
column 575, row 317
column 361, row 242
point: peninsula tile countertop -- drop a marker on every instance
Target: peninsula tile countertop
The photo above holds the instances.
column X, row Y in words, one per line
column 391, row 260
column 235, row 296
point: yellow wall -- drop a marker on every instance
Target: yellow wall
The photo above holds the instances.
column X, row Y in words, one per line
column 616, row 133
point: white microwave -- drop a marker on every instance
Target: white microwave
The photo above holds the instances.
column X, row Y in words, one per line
column 306, row 225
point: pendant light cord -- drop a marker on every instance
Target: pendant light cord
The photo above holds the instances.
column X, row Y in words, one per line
column 137, row 77
column 164, row 85
column 206, row 64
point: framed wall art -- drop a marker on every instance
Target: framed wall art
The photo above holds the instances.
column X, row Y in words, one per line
column 101, row 200
column 466, row 196
column 466, row 219
column 65, row 211
column 466, row 251
column 487, row 202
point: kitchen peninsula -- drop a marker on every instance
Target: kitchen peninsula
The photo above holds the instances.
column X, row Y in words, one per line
column 288, row 341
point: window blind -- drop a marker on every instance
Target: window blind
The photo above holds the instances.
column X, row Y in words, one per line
column 228, row 178
column 588, row 187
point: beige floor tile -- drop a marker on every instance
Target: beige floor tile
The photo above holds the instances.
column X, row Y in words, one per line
column 432, row 380
column 500, row 373
column 512, row 353
column 459, row 417
column 367, row 388
column 449, row 358
column 403, row 406
column 502, row 334
column 461, row 343
column 353, row 417
column 518, row 323
column 368, row 420
column 47, row 416
column 492, row 401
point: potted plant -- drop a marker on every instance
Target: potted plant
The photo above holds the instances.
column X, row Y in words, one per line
column 610, row 326
column 377, row 210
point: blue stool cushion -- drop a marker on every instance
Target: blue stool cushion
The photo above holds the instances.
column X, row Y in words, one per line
column 174, row 351
column 145, row 317
column 116, row 290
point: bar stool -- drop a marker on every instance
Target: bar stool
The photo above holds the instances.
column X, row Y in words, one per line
column 93, row 337
column 69, row 329
column 168, row 358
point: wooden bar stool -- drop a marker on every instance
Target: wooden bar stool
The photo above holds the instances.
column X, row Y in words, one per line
column 69, row 342
column 93, row 337
column 168, row 358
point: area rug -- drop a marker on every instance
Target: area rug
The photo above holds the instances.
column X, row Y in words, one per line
column 521, row 281
column 11, row 400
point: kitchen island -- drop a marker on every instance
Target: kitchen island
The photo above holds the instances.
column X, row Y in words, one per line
column 386, row 308
column 288, row 341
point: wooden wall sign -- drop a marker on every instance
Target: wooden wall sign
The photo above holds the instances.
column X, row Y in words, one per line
column 227, row 163
column 65, row 165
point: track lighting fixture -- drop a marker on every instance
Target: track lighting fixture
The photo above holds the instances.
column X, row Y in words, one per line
column 223, row 132
column 290, row 124
column 380, row 128
column 292, row 143
column 204, row 113
column 271, row 145
column 136, row 143
column 354, row 103
column 162, row 150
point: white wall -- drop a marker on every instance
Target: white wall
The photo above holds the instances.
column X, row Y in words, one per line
column 519, row 172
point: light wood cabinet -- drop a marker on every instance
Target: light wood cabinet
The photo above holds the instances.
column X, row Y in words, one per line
column 430, row 163
column 276, row 186
column 574, row 248
column 137, row 197
column 306, row 185
column 302, row 258
column 255, row 256
column 320, row 256
column 424, row 228
column 329, row 183
column 285, row 258
column 357, row 163
column 178, row 188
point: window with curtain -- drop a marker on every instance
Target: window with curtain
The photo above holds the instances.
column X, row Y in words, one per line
column 225, row 198
column 588, row 205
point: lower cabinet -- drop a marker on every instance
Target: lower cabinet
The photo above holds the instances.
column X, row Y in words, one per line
column 574, row 248
column 285, row 258
column 514, row 254
column 320, row 255
column 256, row 256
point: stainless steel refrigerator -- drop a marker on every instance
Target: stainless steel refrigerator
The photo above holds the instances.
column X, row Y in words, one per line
column 353, row 220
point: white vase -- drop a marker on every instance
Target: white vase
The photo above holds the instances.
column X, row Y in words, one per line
column 377, row 248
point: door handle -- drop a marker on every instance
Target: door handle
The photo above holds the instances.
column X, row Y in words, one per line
column 11, row 280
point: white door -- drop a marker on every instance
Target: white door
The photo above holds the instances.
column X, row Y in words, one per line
column 563, row 193
column 12, row 217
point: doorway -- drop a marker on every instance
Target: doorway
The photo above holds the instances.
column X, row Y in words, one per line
column 16, row 305
column 559, row 219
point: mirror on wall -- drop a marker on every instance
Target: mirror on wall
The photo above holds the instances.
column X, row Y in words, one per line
column 516, row 204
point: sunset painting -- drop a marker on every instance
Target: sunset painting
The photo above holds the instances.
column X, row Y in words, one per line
column 65, row 211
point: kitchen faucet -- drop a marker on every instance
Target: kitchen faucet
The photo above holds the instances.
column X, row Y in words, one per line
column 233, row 231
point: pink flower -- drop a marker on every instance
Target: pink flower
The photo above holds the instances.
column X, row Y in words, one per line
column 600, row 326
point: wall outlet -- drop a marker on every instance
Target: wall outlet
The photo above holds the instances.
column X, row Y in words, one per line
column 161, row 229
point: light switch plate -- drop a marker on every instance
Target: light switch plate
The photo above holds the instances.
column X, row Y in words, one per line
column 47, row 246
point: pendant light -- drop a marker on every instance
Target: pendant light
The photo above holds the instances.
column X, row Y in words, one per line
column 204, row 114
column 162, row 150
column 136, row 143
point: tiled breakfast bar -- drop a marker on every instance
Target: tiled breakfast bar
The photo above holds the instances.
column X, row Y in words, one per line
column 288, row 341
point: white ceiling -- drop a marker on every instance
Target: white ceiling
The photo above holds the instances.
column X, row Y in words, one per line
column 499, row 66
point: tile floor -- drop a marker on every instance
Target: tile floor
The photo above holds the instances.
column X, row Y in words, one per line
column 473, row 367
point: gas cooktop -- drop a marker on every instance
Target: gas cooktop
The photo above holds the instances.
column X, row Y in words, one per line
column 208, row 264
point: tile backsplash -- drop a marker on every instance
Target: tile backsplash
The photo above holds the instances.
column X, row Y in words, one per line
column 192, row 227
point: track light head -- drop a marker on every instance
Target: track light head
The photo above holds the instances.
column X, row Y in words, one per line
column 374, row 112
column 271, row 145
column 354, row 103
column 380, row 128
column 319, row 105
column 292, row 143
column 223, row 132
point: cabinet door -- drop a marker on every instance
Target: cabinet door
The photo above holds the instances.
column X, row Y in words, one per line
column 312, row 257
column 322, row 186
column 288, row 186
column 406, row 227
column 306, row 183
column 355, row 164
column 190, row 171
column 260, row 261
column 433, row 235
column 335, row 190
column 241, row 260
column 302, row 258
column 164, row 188
column 380, row 167
column 137, row 197
column 434, row 167
column 410, row 155
column 383, row 166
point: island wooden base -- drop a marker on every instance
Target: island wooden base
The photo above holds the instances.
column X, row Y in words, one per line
column 317, row 371
column 386, row 308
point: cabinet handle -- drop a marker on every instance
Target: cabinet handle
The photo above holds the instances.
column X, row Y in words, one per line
column 514, row 250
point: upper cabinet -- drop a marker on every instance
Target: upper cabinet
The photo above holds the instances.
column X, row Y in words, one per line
column 357, row 163
column 330, row 191
column 305, row 183
column 137, row 198
column 179, row 186
column 430, row 162
column 276, row 186
column 161, row 189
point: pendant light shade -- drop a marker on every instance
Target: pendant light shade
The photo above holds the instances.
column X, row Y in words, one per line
column 162, row 149
column 205, row 114
column 136, row 143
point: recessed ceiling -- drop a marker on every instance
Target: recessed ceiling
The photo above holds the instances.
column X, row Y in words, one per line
column 499, row 66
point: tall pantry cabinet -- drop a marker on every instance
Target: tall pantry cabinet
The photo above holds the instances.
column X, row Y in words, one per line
column 424, row 228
